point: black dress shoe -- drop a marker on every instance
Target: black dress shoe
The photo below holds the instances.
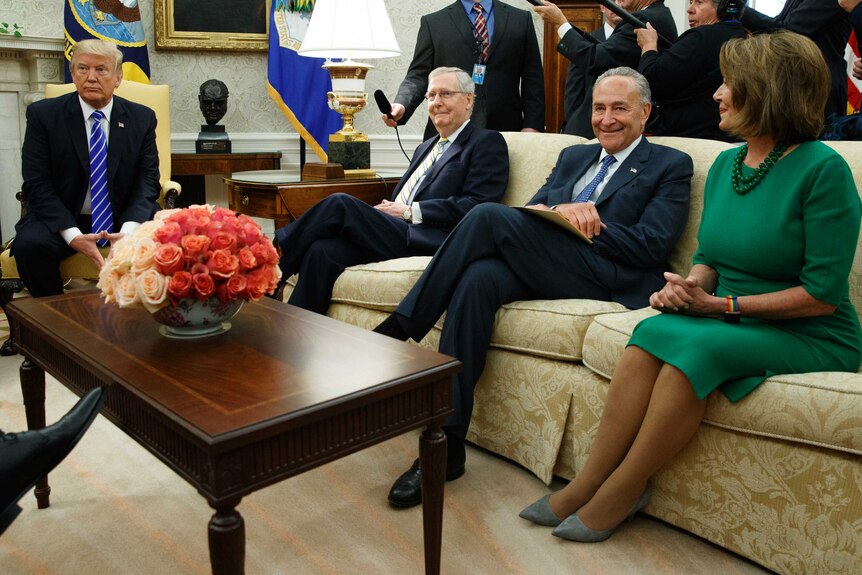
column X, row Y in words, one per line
column 407, row 489
column 27, row 456
column 392, row 328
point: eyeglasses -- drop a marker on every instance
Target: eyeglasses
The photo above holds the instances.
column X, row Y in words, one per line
column 445, row 95
column 83, row 70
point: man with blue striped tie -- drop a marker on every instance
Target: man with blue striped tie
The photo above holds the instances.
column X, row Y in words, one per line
column 90, row 168
column 459, row 168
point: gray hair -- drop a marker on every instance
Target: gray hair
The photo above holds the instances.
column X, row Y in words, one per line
column 98, row 48
column 640, row 82
column 465, row 81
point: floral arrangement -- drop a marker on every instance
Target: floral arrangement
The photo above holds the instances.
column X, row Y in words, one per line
column 200, row 252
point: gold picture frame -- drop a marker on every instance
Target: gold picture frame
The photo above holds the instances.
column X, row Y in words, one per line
column 228, row 25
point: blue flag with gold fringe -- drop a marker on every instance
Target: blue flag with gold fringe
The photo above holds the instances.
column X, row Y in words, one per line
column 114, row 21
column 298, row 84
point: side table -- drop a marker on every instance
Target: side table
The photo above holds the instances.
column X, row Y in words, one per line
column 189, row 170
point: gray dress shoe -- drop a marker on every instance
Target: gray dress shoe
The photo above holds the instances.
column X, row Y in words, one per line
column 540, row 513
column 573, row 529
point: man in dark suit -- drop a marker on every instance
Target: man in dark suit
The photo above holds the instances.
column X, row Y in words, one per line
column 631, row 197
column 593, row 58
column 462, row 166
column 854, row 8
column 56, row 165
column 825, row 22
column 510, row 96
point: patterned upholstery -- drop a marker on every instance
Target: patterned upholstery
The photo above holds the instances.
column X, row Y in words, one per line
column 776, row 477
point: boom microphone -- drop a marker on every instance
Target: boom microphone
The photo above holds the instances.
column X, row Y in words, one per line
column 383, row 104
column 630, row 19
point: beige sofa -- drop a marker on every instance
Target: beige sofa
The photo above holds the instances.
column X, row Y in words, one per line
column 776, row 477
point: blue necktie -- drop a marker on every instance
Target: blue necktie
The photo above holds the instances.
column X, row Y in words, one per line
column 587, row 192
column 100, row 203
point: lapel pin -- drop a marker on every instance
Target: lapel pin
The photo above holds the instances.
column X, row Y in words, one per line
column 634, row 170
column 120, row 124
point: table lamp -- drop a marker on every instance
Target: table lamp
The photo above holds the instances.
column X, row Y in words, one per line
column 347, row 29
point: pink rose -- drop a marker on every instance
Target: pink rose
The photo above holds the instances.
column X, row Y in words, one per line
column 169, row 233
column 246, row 259
column 204, row 286
column 264, row 252
column 222, row 263
column 231, row 289
column 251, row 232
column 169, row 259
column 180, row 285
column 194, row 246
column 223, row 240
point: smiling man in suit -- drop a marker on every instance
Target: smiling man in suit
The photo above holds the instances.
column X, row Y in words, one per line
column 90, row 167
column 629, row 196
column 457, row 169
column 497, row 45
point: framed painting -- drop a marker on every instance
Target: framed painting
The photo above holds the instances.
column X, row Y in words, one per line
column 232, row 25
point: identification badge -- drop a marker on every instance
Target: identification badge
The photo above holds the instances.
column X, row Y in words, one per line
column 479, row 74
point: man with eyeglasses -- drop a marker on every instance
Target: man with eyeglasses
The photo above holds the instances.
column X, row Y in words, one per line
column 630, row 197
column 90, row 168
column 493, row 42
column 460, row 167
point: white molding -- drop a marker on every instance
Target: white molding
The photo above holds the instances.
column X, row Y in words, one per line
column 31, row 43
column 386, row 156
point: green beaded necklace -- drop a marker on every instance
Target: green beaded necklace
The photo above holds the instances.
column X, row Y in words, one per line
column 744, row 184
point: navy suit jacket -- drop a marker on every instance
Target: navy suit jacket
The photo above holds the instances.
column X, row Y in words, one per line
column 621, row 49
column 473, row 169
column 644, row 206
column 56, row 162
column 513, row 95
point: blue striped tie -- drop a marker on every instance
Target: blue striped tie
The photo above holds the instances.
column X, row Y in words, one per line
column 100, row 203
column 587, row 192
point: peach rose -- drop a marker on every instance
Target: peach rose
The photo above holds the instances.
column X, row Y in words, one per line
column 169, row 259
column 180, row 285
column 125, row 291
column 264, row 252
column 142, row 257
column 222, row 264
column 152, row 289
column 223, row 240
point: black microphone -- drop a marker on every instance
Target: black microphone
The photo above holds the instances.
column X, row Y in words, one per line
column 383, row 104
column 535, row 2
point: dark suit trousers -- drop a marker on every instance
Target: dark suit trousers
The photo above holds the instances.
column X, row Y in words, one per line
column 38, row 252
column 496, row 255
column 336, row 233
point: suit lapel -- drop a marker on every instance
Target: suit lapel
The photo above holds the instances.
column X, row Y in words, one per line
column 418, row 156
column 501, row 20
column 77, row 130
column 627, row 171
column 451, row 152
column 116, row 139
column 461, row 23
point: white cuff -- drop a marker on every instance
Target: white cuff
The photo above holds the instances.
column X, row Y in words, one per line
column 416, row 213
column 70, row 234
column 561, row 31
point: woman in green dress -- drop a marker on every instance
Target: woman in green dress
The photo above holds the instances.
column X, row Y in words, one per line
column 767, row 294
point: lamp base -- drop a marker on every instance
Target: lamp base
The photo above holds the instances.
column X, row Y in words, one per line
column 353, row 155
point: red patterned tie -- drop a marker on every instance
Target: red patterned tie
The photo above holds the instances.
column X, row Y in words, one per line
column 481, row 31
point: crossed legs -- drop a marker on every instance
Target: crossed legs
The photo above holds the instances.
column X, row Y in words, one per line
column 650, row 414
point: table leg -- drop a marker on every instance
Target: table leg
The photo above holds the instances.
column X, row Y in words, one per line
column 33, row 390
column 432, row 454
column 227, row 538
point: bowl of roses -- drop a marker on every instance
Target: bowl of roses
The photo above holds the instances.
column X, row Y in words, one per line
column 191, row 268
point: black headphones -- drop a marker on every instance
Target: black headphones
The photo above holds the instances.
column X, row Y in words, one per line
column 729, row 9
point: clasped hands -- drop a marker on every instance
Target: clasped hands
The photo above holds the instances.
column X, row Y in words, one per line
column 396, row 209
column 86, row 244
column 683, row 295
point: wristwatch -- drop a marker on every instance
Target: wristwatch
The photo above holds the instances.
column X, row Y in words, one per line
column 407, row 215
column 732, row 315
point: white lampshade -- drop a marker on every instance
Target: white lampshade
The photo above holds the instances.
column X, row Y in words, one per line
column 349, row 29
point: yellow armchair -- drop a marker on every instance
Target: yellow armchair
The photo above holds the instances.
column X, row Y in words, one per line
column 153, row 96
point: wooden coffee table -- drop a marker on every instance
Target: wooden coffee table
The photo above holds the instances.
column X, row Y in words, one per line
column 280, row 393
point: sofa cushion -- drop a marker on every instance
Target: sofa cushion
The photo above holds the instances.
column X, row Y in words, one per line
column 532, row 156
column 822, row 409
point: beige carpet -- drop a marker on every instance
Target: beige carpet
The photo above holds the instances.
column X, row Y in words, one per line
column 117, row 510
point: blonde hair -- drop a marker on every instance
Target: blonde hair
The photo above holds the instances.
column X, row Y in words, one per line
column 98, row 48
column 779, row 84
